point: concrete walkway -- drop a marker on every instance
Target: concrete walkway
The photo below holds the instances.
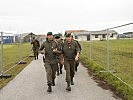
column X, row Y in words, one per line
column 31, row 84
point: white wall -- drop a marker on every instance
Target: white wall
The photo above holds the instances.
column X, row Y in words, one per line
column 114, row 37
column 84, row 38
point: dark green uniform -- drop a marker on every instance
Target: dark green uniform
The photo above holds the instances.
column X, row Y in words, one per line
column 35, row 47
column 50, row 60
column 69, row 51
column 59, row 57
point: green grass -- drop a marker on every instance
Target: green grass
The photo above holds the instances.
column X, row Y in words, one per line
column 120, row 59
column 13, row 54
column 11, row 57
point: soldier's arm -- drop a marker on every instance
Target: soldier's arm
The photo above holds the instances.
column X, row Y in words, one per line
column 38, row 44
column 42, row 48
column 77, row 48
column 77, row 51
column 78, row 45
column 55, row 50
column 62, row 55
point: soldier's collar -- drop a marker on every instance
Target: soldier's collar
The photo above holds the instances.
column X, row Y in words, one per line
column 50, row 40
column 69, row 42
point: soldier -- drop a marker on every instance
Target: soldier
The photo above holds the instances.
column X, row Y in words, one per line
column 76, row 62
column 35, row 47
column 50, row 48
column 59, row 55
column 71, row 54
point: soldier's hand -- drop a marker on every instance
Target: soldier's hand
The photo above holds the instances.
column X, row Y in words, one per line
column 76, row 58
column 55, row 50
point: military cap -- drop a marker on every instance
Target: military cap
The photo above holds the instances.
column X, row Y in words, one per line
column 57, row 37
column 49, row 33
column 68, row 35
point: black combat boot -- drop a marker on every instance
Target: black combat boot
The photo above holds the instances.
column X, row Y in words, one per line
column 37, row 55
column 58, row 73
column 61, row 68
column 49, row 88
column 75, row 68
column 68, row 86
column 72, row 83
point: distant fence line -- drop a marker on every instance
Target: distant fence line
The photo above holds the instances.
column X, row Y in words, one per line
column 114, row 55
column 12, row 54
column 111, row 54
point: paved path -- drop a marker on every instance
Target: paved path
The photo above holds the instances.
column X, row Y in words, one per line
column 31, row 84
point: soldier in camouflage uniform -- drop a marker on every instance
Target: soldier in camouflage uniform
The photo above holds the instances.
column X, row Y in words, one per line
column 35, row 48
column 71, row 52
column 50, row 48
column 59, row 55
column 76, row 62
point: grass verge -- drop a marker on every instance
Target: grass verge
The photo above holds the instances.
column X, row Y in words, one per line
column 112, row 82
column 12, row 54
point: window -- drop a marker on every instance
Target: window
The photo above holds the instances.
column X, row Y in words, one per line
column 103, row 36
column 96, row 36
column 111, row 35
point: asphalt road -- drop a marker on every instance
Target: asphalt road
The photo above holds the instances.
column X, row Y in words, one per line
column 31, row 84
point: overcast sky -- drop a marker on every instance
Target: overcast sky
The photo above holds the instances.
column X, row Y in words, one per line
column 41, row 16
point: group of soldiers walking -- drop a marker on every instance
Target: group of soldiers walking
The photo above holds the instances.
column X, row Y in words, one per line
column 58, row 52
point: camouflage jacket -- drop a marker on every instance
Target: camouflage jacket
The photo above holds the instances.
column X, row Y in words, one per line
column 48, row 47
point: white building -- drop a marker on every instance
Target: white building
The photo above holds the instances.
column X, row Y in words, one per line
column 83, row 35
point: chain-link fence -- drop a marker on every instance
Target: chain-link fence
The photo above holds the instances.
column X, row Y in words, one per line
column 13, row 50
column 113, row 50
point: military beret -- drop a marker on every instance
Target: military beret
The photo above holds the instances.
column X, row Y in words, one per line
column 49, row 33
column 68, row 35
column 57, row 37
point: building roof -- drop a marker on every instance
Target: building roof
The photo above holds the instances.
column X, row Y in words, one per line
column 95, row 32
column 26, row 34
column 41, row 35
column 128, row 33
column 103, row 32
column 75, row 31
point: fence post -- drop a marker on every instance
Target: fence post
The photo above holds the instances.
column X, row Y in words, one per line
column 2, row 75
column 107, row 50
column 107, row 69
column 20, row 52
column 90, row 47
column 1, row 65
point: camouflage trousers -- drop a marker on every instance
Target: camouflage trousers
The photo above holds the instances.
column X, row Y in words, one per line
column 35, row 51
column 50, row 72
column 70, row 69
